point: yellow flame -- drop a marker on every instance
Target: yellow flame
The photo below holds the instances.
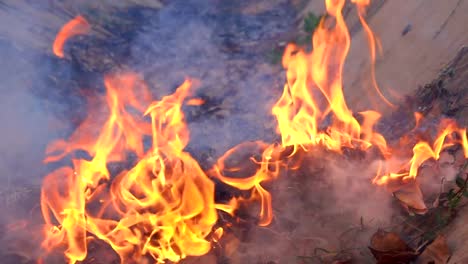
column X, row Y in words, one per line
column 162, row 207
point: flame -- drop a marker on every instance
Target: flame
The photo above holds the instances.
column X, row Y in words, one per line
column 160, row 203
column 195, row 102
column 163, row 206
column 448, row 135
column 313, row 77
column 371, row 39
column 263, row 171
column 316, row 75
column 77, row 26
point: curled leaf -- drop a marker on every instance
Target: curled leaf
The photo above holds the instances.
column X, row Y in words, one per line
column 411, row 197
column 389, row 248
column 437, row 252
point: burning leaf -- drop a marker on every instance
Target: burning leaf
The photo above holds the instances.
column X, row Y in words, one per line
column 437, row 252
column 389, row 248
column 411, row 197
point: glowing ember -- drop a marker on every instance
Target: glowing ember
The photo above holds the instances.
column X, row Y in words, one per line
column 163, row 205
column 195, row 101
column 76, row 26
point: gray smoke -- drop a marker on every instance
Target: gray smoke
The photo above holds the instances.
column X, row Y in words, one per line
column 26, row 129
column 27, row 126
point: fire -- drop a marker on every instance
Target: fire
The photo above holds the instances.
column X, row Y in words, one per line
column 449, row 134
column 163, row 206
column 262, row 171
column 195, row 101
column 373, row 43
column 161, row 203
column 77, row 26
column 319, row 73
column 314, row 76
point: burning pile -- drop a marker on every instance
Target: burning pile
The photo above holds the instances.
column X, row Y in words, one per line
column 163, row 204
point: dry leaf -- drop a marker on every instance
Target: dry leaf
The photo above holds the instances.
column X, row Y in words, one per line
column 388, row 241
column 411, row 197
column 389, row 248
column 437, row 252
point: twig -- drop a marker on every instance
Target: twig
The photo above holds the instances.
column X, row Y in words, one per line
column 442, row 27
column 317, row 249
column 310, row 258
column 455, row 199
column 437, row 227
column 405, row 221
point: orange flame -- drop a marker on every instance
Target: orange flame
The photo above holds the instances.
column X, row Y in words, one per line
column 315, row 74
column 265, row 170
column 162, row 207
column 362, row 5
column 76, row 26
column 449, row 135
column 195, row 102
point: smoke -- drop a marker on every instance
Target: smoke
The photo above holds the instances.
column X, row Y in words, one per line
column 327, row 203
column 26, row 129
column 325, row 211
column 321, row 206
column 26, row 125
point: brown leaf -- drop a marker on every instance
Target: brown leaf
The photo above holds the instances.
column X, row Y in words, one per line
column 388, row 241
column 437, row 252
column 389, row 248
column 411, row 197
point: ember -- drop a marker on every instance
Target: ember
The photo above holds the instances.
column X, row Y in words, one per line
column 162, row 206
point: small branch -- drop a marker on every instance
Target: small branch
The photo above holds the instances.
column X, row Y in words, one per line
column 442, row 27
column 459, row 194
